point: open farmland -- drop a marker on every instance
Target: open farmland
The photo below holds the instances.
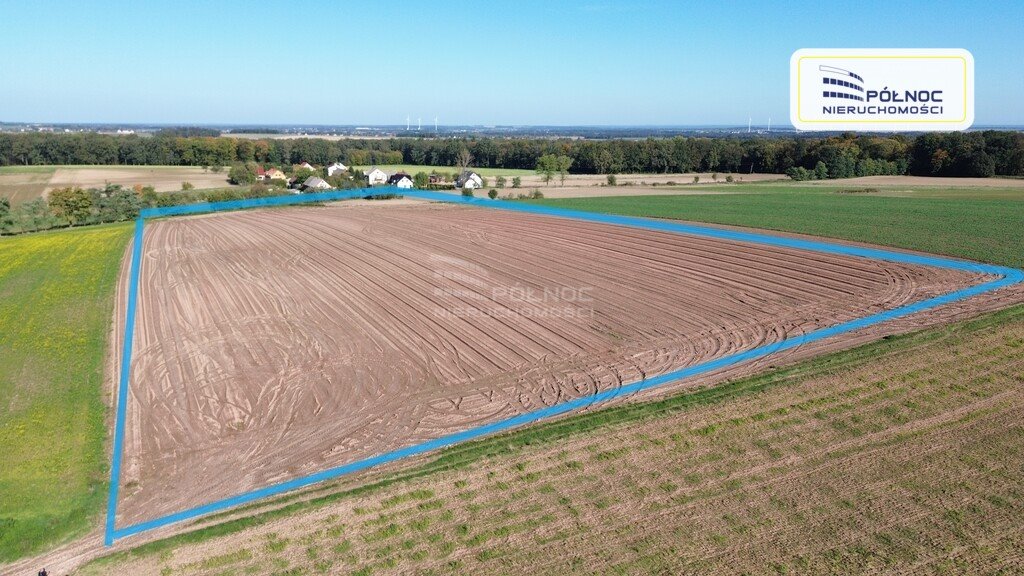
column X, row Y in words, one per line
column 56, row 302
column 901, row 456
column 23, row 183
column 272, row 344
column 162, row 178
column 981, row 224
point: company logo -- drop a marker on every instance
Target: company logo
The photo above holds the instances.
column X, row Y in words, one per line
column 882, row 90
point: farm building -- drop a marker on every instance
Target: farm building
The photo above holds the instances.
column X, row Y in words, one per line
column 336, row 168
column 376, row 176
column 469, row 180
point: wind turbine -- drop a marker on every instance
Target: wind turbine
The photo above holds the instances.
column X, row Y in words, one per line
column 769, row 124
column 407, row 122
column 419, row 124
column 750, row 120
column 435, row 123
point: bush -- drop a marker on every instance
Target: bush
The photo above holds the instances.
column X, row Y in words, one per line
column 492, row 194
column 696, row 179
column 612, row 181
column 468, row 192
column 800, row 173
column 517, row 182
column 500, row 181
column 536, row 194
column 187, row 186
column 729, row 178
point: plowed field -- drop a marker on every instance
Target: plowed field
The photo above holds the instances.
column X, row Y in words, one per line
column 271, row 344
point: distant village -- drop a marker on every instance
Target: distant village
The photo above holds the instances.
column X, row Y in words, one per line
column 309, row 178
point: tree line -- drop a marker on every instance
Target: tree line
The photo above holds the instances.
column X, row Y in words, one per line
column 74, row 206
column 978, row 154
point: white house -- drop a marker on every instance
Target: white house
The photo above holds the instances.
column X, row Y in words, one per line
column 470, row 180
column 336, row 168
column 306, row 165
column 376, row 176
column 400, row 180
column 315, row 183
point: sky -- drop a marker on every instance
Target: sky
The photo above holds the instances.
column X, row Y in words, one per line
column 526, row 62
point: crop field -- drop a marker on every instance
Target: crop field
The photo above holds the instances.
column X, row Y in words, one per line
column 56, row 304
column 276, row 343
column 903, row 455
column 23, row 183
column 981, row 224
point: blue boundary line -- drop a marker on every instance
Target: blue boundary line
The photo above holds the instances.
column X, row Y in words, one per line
column 1005, row 277
column 122, row 388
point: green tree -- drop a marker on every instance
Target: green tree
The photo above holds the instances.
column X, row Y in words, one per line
column 517, row 182
column 421, row 180
column 500, row 181
column 820, row 171
column 187, row 186
column 563, row 165
column 301, row 174
column 73, row 204
column 492, row 194
column 612, row 181
column 241, row 174
column 5, row 215
column 547, row 167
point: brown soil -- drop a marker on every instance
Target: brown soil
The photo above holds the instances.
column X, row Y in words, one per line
column 906, row 461
column 162, row 178
column 272, row 344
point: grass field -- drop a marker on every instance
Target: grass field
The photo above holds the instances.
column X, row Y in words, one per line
column 56, row 299
column 901, row 455
column 978, row 224
column 486, row 172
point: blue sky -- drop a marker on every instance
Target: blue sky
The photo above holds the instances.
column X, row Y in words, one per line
column 515, row 62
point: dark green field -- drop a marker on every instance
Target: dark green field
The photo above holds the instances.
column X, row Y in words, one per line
column 977, row 224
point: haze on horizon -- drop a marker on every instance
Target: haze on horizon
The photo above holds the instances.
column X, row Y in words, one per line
column 582, row 62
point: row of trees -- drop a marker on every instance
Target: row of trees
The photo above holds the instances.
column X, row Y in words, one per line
column 937, row 154
column 73, row 206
